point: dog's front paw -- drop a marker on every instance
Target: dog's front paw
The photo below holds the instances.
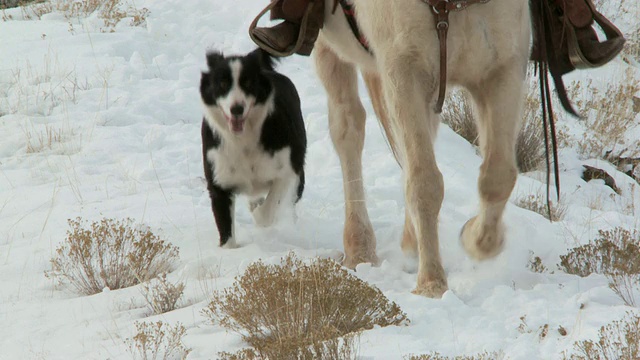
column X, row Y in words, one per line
column 255, row 203
column 262, row 216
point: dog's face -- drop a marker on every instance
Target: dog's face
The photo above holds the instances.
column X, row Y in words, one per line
column 234, row 87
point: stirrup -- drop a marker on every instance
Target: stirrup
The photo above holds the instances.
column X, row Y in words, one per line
column 577, row 58
column 301, row 34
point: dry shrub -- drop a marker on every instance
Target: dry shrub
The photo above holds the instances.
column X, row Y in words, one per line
column 631, row 49
column 535, row 264
column 624, row 163
column 615, row 254
column 110, row 11
column 110, row 254
column 524, row 328
column 530, row 145
column 343, row 348
column 609, row 116
column 619, row 340
column 161, row 295
column 7, row 4
column 29, row 9
column 158, row 341
column 537, row 203
column 297, row 311
column 495, row 355
column 458, row 115
column 83, row 8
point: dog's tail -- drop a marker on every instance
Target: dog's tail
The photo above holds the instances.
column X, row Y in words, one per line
column 266, row 60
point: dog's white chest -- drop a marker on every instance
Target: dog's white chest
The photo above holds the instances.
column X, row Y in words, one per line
column 247, row 168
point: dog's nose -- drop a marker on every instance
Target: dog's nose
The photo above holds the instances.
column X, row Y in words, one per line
column 237, row 110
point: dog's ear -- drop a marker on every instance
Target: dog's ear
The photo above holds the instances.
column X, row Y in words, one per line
column 206, row 88
column 214, row 58
column 263, row 58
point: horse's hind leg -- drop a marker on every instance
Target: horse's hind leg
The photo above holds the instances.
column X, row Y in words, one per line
column 499, row 102
column 346, row 124
column 409, row 244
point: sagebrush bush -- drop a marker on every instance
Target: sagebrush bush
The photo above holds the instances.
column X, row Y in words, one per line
column 158, row 341
column 343, row 348
column 535, row 264
column 110, row 11
column 293, row 309
column 537, row 203
column 631, row 48
column 609, row 116
column 542, row 330
column 615, row 254
column 481, row 356
column 619, row 340
column 110, row 254
column 161, row 295
column 458, row 115
column 29, row 9
column 530, row 154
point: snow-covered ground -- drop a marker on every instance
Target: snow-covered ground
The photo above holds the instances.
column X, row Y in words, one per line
column 123, row 112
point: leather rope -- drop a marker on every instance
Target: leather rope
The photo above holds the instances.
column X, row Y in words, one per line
column 548, row 122
column 440, row 10
column 349, row 13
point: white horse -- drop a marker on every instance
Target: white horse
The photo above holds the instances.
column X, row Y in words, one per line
column 488, row 50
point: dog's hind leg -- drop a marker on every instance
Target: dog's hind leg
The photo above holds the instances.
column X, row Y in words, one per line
column 346, row 124
column 499, row 101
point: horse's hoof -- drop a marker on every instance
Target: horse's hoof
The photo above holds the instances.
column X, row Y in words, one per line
column 481, row 243
column 352, row 261
column 432, row 289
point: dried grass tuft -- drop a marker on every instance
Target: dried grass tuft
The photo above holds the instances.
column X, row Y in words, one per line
column 538, row 203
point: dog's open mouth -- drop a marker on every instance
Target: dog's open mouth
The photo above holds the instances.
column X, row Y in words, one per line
column 236, row 124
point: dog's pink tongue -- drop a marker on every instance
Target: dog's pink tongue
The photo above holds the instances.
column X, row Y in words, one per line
column 237, row 124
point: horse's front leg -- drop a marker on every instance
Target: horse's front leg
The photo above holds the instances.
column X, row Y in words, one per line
column 499, row 101
column 346, row 124
column 408, row 88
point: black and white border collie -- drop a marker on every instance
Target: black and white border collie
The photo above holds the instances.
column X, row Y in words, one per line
column 253, row 138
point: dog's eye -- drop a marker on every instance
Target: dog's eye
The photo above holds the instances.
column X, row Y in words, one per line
column 247, row 84
column 223, row 84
